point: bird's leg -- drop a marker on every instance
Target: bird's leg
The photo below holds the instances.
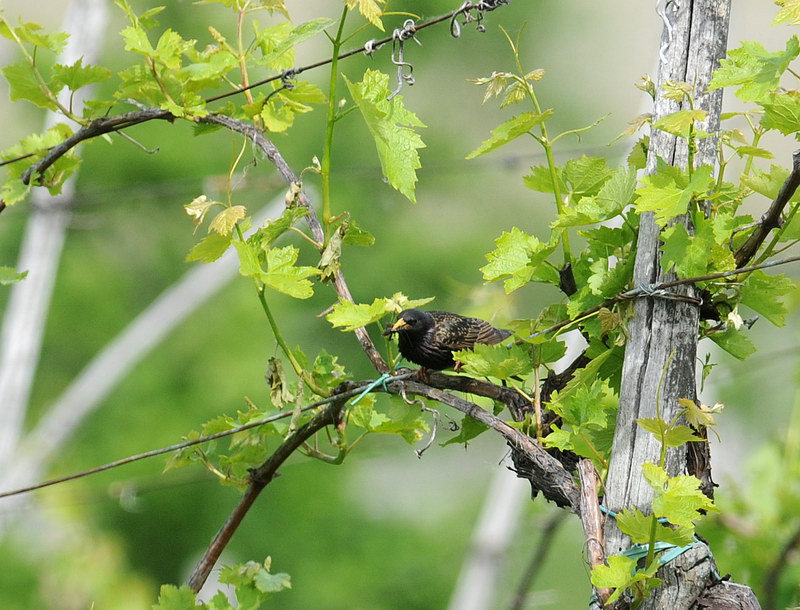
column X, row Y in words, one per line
column 457, row 366
column 424, row 375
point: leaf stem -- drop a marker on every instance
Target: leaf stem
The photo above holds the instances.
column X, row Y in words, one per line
column 325, row 163
column 544, row 140
column 301, row 373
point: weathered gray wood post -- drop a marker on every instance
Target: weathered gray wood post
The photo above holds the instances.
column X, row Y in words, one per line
column 664, row 333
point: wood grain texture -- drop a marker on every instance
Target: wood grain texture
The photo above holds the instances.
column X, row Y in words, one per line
column 660, row 354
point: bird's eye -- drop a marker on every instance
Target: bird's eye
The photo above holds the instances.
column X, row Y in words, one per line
column 411, row 322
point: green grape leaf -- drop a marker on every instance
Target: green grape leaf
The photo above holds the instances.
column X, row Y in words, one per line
column 494, row 361
column 754, row 151
column 586, row 175
column 654, row 425
column 355, row 235
column 224, row 222
column 668, row 192
column 734, row 342
column 613, row 197
column 355, row 315
column 510, row 130
column 681, row 501
column 470, row 428
column 284, row 276
column 789, row 13
column 136, row 40
column 171, row 597
column 621, row 573
column 327, row 371
column 9, row 275
column 637, row 525
column 656, row 476
column 518, row 259
column 687, row 254
column 272, row 583
column 672, row 436
column 369, row 9
column 680, row 435
column 209, row 249
column 398, row 302
column 698, row 414
column 392, row 128
column 663, row 197
column 782, row 112
column 77, row 75
column 606, row 282
column 278, row 42
column 404, row 420
column 275, row 227
column 547, row 351
column 541, row 179
column 24, row 85
column 584, row 405
column 249, row 264
column 768, row 183
column 762, row 293
column 757, row 71
column 364, row 415
column 678, row 123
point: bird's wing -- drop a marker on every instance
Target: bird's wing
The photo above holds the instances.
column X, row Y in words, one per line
column 459, row 332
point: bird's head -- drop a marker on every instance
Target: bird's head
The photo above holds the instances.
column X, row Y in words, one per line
column 412, row 321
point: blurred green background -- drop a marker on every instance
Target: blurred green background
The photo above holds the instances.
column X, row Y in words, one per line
column 385, row 530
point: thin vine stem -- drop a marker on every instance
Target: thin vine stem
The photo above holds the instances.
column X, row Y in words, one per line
column 298, row 369
column 546, row 144
column 325, row 163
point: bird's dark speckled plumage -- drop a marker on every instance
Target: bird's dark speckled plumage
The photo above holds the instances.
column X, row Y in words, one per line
column 429, row 338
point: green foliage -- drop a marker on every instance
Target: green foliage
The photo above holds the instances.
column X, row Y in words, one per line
column 669, row 191
column 510, row 130
column 754, row 70
column 639, row 526
column 369, row 9
column 9, row 275
column 496, row 361
column 518, row 259
column 392, row 128
column 763, row 294
column 621, row 574
column 253, row 584
column 697, row 210
column 588, row 411
column 469, row 429
column 355, row 315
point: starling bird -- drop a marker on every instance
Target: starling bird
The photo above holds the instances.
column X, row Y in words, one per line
column 428, row 338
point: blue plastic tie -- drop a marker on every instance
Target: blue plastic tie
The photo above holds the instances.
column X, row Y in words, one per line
column 380, row 381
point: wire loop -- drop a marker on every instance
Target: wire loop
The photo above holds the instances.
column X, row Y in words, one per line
column 399, row 36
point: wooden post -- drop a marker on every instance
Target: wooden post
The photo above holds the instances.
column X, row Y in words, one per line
column 660, row 354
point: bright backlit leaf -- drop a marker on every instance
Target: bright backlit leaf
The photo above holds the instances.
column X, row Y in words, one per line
column 392, row 128
column 284, row 276
column 510, row 130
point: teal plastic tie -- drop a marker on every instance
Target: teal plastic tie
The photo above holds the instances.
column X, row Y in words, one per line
column 638, row 551
column 380, row 381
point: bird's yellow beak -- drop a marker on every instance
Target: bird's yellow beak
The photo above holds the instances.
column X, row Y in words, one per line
column 395, row 327
column 398, row 325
